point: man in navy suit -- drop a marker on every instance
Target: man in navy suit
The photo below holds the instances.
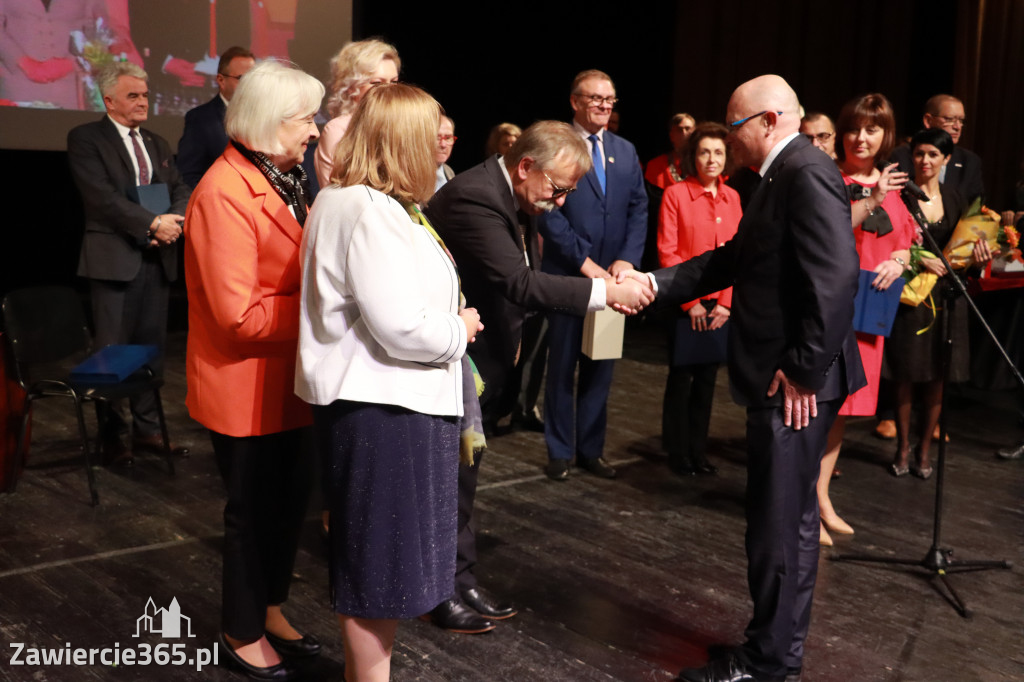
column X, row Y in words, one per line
column 599, row 231
column 129, row 250
column 793, row 359
column 204, row 138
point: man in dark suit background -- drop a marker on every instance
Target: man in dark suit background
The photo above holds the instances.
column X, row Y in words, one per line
column 792, row 361
column 963, row 172
column 128, row 250
column 486, row 217
column 204, row 138
column 599, row 231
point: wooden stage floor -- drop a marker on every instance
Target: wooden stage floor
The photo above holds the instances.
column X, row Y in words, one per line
column 615, row 580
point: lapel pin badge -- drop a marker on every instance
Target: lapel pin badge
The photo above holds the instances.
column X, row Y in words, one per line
column 611, row 159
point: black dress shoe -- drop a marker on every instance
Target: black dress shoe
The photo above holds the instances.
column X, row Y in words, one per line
column 705, row 469
column 728, row 669
column 682, row 469
column 528, row 422
column 114, row 452
column 486, row 604
column 305, row 647
column 154, row 443
column 279, row 672
column 455, row 616
column 597, row 466
column 557, row 469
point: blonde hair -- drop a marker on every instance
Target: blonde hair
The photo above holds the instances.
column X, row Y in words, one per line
column 271, row 93
column 351, row 67
column 499, row 131
column 390, row 143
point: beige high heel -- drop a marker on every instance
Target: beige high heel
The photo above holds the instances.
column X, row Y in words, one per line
column 837, row 525
column 824, row 539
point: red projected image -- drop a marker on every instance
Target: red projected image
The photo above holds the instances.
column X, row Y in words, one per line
column 51, row 50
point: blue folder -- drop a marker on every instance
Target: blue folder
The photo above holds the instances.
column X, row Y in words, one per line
column 698, row 348
column 874, row 310
column 113, row 364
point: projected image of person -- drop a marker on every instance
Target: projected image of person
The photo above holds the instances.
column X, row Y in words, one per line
column 37, row 67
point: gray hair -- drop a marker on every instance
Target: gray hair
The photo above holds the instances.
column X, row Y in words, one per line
column 545, row 141
column 271, row 93
column 107, row 78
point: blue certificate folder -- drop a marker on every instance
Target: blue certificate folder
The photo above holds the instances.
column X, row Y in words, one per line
column 113, row 364
column 154, row 197
column 698, row 348
column 874, row 310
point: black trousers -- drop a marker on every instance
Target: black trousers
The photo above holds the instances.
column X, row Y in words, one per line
column 686, row 414
column 132, row 312
column 782, row 534
column 267, row 479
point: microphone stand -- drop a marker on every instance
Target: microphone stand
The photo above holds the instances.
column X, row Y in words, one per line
column 939, row 561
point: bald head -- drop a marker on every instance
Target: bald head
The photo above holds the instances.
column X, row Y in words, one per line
column 772, row 111
column 946, row 112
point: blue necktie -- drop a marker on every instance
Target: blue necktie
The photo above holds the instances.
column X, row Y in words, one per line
column 595, row 152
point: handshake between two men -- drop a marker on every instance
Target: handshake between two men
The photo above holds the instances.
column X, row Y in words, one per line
column 626, row 290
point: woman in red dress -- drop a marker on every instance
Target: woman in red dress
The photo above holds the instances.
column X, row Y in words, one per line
column 883, row 230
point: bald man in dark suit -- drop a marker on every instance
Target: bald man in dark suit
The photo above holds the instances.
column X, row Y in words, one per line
column 793, row 360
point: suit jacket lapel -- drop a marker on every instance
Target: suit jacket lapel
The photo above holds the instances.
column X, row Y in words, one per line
column 109, row 131
column 766, row 185
column 272, row 205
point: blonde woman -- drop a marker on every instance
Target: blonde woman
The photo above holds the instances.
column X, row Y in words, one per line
column 356, row 68
column 381, row 341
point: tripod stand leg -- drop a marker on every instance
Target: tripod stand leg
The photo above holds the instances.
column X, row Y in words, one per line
column 951, row 595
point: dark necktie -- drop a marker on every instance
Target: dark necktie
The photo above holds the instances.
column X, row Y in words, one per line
column 140, row 156
column 595, row 152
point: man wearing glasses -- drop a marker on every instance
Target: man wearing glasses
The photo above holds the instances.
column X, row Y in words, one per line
column 599, row 231
column 963, row 172
column 445, row 143
column 486, row 217
column 204, row 138
column 792, row 361
column 821, row 131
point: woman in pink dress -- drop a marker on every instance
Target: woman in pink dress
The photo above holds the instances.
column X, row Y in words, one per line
column 354, row 70
column 883, row 230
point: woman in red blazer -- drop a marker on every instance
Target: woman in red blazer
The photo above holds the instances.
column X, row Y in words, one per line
column 698, row 214
column 243, row 228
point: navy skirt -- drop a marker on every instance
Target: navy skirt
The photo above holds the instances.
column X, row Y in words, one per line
column 391, row 480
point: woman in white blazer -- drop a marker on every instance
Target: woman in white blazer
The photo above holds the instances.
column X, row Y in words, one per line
column 381, row 339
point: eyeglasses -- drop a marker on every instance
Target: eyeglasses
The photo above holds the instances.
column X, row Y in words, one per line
column 228, row 75
column 820, row 137
column 441, row 139
column 556, row 191
column 735, row 125
column 598, row 100
column 952, row 120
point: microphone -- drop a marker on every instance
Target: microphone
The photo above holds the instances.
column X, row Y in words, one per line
column 911, row 188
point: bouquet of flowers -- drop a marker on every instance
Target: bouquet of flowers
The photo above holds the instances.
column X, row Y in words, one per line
column 978, row 223
column 91, row 49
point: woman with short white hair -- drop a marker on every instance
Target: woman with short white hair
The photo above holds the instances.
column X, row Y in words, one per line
column 243, row 227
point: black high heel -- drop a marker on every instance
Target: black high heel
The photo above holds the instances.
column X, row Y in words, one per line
column 278, row 673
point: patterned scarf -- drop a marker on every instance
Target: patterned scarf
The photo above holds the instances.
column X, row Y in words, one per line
column 292, row 187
